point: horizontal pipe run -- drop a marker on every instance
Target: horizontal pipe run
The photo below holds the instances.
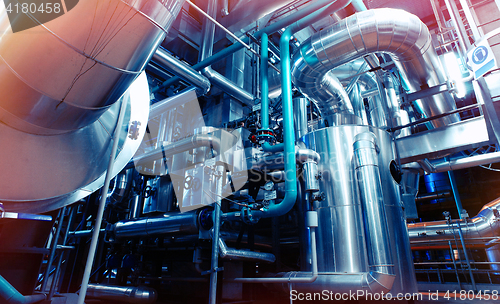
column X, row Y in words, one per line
column 244, row 255
column 124, row 294
column 293, row 277
column 185, row 72
column 169, row 223
column 276, row 26
column 477, row 230
column 228, row 86
column 167, row 150
column 277, row 161
column 460, row 163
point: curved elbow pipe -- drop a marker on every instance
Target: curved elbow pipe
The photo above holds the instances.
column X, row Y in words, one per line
column 392, row 31
column 373, row 282
column 122, row 184
column 480, row 229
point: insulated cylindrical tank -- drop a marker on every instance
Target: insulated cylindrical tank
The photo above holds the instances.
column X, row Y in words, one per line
column 341, row 239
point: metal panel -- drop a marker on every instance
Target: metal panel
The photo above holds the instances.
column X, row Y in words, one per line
column 440, row 142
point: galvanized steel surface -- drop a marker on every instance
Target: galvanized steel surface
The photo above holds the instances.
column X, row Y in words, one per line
column 396, row 32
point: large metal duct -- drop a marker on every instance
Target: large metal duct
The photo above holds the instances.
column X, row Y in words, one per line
column 61, row 99
column 396, row 32
column 482, row 229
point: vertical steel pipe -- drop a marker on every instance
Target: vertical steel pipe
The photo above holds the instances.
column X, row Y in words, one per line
column 100, row 212
column 381, row 266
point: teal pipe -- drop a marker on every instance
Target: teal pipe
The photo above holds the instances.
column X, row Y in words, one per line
column 9, row 295
column 359, row 6
column 313, row 7
column 293, row 28
column 288, row 135
column 264, row 57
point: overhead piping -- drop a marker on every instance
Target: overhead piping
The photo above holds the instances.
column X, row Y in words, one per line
column 444, row 165
column 185, row 72
column 208, row 33
column 316, row 6
column 396, row 32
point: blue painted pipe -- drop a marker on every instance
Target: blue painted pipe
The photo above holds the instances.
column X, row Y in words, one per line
column 264, row 57
column 9, row 295
column 288, row 135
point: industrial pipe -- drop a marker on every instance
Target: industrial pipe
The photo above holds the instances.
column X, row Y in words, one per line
column 10, row 295
column 169, row 149
column 296, row 277
column 381, row 266
column 228, row 86
column 396, row 32
column 244, row 255
column 169, row 223
column 121, row 186
column 172, row 102
column 218, row 80
column 459, row 163
column 285, row 61
column 264, row 83
column 480, row 229
column 185, row 72
column 125, row 294
column 313, row 7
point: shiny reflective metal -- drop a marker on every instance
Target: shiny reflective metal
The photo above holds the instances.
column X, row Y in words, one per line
column 49, row 172
column 244, row 13
column 69, row 88
column 124, row 294
column 340, row 119
column 397, row 116
column 300, row 116
column 229, row 87
column 396, row 32
column 482, row 229
column 467, row 134
column 244, row 255
column 169, row 223
column 311, row 176
column 380, row 259
column 185, row 72
column 74, row 53
column 328, row 93
column 376, row 112
column 342, row 241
